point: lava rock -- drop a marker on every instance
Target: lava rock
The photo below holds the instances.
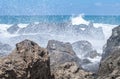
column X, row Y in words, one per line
column 110, row 63
column 70, row 70
column 27, row 61
column 110, row 66
column 112, row 43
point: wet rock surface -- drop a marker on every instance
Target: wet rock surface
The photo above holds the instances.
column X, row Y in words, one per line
column 110, row 66
column 85, row 51
column 110, row 63
column 60, row 53
column 13, row 29
column 113, row 42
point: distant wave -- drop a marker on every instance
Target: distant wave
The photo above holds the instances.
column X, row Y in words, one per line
column 74, row 20
column 77, row 20
column 76, row 28
column 107, row 28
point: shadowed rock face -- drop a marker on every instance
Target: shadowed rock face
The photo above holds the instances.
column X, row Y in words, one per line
column 60, row 46
column 113, row 42
column 27, row 61
column 60, row 53
column 110, row 66
column 110, row 63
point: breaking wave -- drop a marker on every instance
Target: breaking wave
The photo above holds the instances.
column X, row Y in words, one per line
column 76, row 29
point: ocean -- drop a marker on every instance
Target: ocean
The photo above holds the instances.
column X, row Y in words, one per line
column 114, row 20
column 58, row 27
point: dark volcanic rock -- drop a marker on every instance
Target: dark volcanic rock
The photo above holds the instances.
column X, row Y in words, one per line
column 13, row 29
column 110, row 63
column 61, row 53
column 113, row 42
column 27, row 61
column 110, row 66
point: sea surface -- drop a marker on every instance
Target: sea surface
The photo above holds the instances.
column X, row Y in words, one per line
column 114, row 20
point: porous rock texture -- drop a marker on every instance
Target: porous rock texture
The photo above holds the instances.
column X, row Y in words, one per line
column 27, row 61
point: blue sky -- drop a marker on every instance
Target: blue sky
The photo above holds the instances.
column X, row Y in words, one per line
column 59, row 7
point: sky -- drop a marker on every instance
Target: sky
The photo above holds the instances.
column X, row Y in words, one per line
column 59, row 7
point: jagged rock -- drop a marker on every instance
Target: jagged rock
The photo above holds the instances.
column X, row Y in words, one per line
column 112, row 43
column 110, row 66
column 61, row 53
column 4, row 49
column 27, row 61
column 110, row 63
column 64, row 62
column 85, row 51
column 70, row 70
column 13, row 29
column 60, row 46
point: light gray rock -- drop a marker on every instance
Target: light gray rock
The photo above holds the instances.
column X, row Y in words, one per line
column 13, row 29
column 4, row 49
column 85, row 51
column 61, row 53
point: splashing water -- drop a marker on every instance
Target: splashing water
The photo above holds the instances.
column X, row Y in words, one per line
column 79, row 20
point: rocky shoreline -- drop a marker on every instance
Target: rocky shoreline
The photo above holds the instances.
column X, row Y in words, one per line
column 59, row 60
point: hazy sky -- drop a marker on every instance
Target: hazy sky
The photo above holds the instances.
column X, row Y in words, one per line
column 59, row 7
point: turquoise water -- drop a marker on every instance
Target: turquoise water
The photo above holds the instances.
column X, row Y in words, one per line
column 58, row 18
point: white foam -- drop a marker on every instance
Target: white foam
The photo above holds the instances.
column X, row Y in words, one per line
column 79, row 20
column 96, row 59
column 107, row 29
column 22, row 25
column 4, row 26
column 82, row 29
column 36, row 22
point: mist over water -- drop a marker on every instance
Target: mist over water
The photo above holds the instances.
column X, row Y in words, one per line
column 43, row 28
